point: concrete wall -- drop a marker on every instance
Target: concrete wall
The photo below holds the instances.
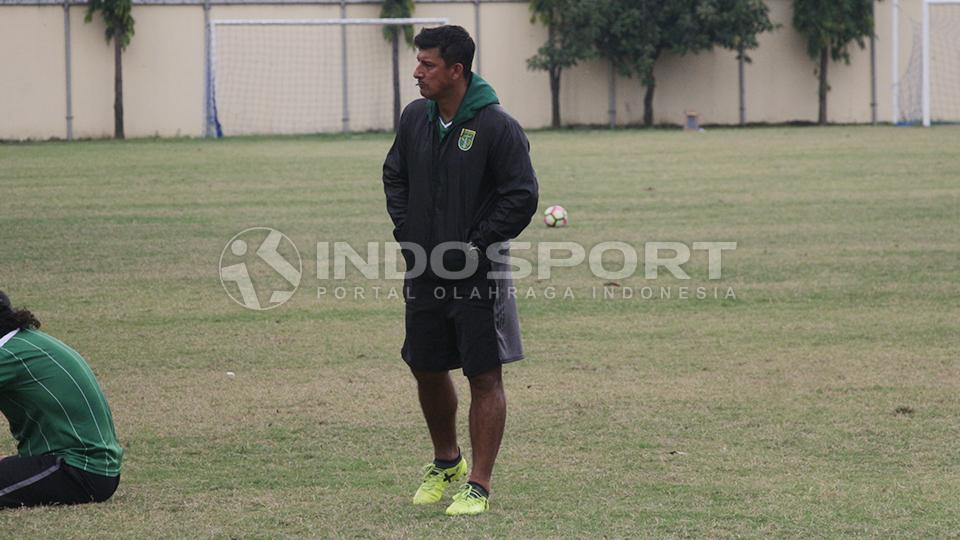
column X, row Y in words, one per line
column 164, row 72
column 32, row 102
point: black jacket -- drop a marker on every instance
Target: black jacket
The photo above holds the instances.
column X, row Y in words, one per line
column 438, row 192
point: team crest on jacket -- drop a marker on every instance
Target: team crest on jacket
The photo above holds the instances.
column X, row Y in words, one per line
column 466, row 139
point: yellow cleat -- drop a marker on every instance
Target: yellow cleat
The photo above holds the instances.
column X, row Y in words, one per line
column 436, row 480
column 468, row 502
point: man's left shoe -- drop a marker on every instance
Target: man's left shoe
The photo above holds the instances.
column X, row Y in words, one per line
column 468, row 502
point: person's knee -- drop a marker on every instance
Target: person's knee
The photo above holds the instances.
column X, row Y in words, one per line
column 487, row 382
column 430, row 378
column 102, row 497
column 106, row 489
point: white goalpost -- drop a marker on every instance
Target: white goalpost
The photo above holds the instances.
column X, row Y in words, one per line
column 942, row 53
column 293, row 76
column 928, row 91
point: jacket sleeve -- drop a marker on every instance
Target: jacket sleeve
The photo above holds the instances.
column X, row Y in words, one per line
column 517, row 191
column 396, row 183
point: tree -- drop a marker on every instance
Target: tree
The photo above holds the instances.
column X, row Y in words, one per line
column 830, row 26
column 397, row 9
column 119, row 21
column 636, row 33
column 736, row 25
column 623, row 38
column 571, row 25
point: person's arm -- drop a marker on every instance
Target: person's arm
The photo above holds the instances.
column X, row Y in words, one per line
column 396, row 183
column 517, row 191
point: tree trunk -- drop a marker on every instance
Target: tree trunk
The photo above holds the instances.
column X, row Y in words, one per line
column 554, row 73
column 396, row 79
column 824, row 87
column 650, row 82
column 612, row 96
column 743, row 87
column 648, row 102
column 555, row 96
column 117, row 85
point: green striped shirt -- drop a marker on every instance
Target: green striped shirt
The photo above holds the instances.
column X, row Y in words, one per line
column 54, row 404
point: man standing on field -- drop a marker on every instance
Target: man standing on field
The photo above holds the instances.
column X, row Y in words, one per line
column 459, row 186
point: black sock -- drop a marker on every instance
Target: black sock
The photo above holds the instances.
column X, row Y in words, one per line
column 483, row 491
column 445, row 464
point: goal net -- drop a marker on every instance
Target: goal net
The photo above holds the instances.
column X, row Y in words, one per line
column 929, row 89
column 280, row 76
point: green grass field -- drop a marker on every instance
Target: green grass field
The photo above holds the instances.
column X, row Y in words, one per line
column 823, row 401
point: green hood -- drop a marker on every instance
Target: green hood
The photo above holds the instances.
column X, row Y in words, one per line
column 479, row 95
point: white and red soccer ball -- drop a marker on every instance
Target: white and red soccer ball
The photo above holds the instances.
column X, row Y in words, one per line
column 556, row 216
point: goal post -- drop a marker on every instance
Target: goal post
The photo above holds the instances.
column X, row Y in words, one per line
column 294, row 76
column 927, row 89
column 941, row 54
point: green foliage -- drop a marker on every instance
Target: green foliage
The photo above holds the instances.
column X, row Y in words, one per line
column 832, row 25
column 736, row 24
column 633, row 34
column 629, row 37
column 397, row 9
column 117, row 16
column 637, row 32
column 572, row 25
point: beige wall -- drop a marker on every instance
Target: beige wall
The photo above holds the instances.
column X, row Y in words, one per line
column 507, row 40
column 165, row 98
column 92, row 60
column 32, row 97
column 164, row 72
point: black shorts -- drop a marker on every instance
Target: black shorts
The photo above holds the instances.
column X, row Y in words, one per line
column 47, row 479
column 471, row 324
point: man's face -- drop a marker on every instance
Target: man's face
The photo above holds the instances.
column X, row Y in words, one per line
column 433, row 76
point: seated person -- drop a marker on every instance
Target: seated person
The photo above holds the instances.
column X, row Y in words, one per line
column 67, row 446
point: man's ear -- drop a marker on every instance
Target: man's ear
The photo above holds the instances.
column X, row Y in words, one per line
column 457, row 71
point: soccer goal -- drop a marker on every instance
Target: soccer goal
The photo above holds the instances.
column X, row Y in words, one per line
column 929, row 90
column 291, row 76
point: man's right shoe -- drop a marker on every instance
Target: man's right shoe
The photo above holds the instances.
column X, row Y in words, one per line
column 436, row 480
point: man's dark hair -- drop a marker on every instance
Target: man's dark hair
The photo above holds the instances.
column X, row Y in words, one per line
column 14, row 319
column 455, row 44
